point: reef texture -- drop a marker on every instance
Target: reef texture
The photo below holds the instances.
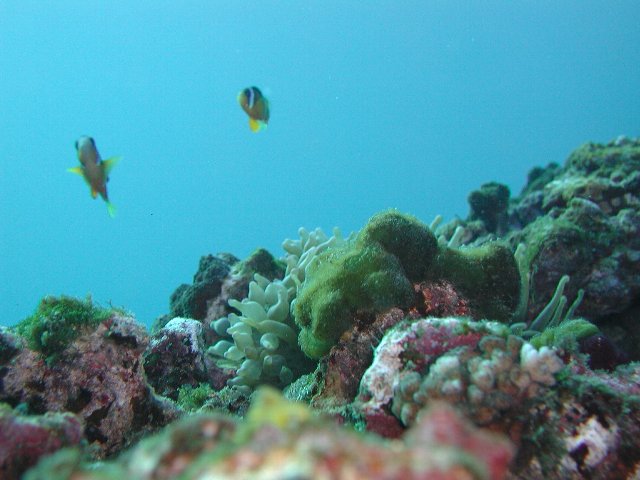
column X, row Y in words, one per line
column 24, row 439
column 97, row 376
column 175, row 358
column 548, row 404
column 581, row 220
column 378, row 270
column 522, row 318
column 219, row 278
column 280, row 439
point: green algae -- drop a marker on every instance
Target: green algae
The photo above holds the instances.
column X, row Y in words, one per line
column 487, row 275
column 192, row 398
column 58, row 321
column 377, row 271
column 565, row 335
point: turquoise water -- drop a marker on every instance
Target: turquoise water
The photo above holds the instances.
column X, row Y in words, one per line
column 406, row 104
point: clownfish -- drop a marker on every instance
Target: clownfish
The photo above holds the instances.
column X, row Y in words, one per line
column 94, row 170
column 256, row 106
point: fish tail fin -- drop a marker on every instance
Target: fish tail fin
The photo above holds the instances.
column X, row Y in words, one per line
column 256, row 125
column 111, row 209
column 109, row 163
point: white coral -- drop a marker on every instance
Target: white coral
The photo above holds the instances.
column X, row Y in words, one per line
column 264, row 325
column 541, row 364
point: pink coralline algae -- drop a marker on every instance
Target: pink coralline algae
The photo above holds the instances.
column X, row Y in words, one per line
column 566, row 420
column 24, row 439
column 345, row 364
column 343, row 367
column 280, row 439
column 439, row 299
column 452, row 359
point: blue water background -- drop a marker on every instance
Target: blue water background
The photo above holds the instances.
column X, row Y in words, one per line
column 405, row 104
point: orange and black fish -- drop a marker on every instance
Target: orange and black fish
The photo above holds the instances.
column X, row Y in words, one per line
column 94, row 170
column 256, row 105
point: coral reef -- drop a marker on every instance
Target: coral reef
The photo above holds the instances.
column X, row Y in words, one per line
column 583, row 220
column 191, row 301
column 218, row 279
column 497, row 346
column 376, row 270
column 263, row 347
column 567, row 420
column 284, row 439
column 57, row 322
column 339, row 373
column 587, row 427
column 487, row 276
column 236, row 284
column 475, row 365
column 175, row 357
column 10, row 345
column 489, row 205
column 96, row 375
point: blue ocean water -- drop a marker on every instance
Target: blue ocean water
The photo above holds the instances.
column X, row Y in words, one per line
column 408, row 104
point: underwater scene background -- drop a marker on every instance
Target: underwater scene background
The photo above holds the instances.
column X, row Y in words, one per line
column 476, row 315
column 409, row 105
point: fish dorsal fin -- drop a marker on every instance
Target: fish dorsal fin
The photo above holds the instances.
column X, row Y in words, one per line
column 76, row 170
column 109, row 163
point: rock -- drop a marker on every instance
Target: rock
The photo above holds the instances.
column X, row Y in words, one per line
column 99, row 377
column 25, row 439
column 175, row 358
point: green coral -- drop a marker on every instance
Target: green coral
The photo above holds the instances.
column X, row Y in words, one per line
column 58, row 321
column 369, row 273
column 344, row 281
column 488, row 276
column 376, row 271
column 405, row 237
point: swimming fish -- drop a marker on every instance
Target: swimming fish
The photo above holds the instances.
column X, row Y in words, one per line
column 256, row 106
column 94, row 170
